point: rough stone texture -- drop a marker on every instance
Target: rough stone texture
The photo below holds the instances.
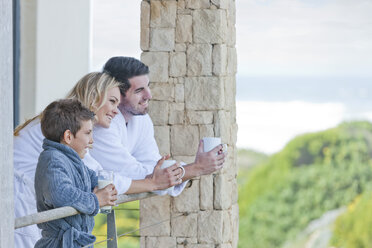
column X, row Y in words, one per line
column 197, row 4
column 185, row 159
column 222, row 192
column 159, row 205
column 206, row 131
column 162, row 39
column 163, row 14
column 181, row 4
column 199, row 60
column 145, row 26
column 142, row 241
column 204, row 93
column 180, row 47
column 210, row 226
column 176, row 113
column 222, row 125
column 185, row 226
column 179, row 93
column 230, row 93
column 6, row 125
column 222, row 4
column 199, row 246
column 177, row 66
column 185, row 241
column 220, row 60
column 162, row 138
column 209, row 26
column 199, row 117
column 227, row 227
column 184, row 28
column 162, row 91
column 188, row 201
column 226, row 245
column 163, row 242
column 158, row 110
column 158, row 65
column 184, row 140
column 235, row 225
column 206, row 192
column 231, row 61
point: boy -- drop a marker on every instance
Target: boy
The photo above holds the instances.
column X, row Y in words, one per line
column 62, row 179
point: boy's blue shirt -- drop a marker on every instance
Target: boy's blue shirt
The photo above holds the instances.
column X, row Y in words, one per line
column 62, row 179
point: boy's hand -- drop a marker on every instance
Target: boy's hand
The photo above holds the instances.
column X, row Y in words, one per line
column 106, row 196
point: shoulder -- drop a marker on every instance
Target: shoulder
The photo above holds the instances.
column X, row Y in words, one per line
column 142, row 121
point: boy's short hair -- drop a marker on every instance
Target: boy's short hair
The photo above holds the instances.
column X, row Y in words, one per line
column 62, row 115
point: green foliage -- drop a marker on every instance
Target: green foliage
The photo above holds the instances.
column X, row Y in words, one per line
column 353, row 229
column 313, row 174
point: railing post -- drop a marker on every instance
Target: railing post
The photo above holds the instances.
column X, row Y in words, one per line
column 111, row 230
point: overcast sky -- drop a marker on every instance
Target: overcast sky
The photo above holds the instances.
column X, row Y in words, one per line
column 274, row 37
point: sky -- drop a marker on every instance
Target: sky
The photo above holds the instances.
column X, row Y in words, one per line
column 276, row 40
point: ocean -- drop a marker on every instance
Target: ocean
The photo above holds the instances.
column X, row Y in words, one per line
column 273, row 110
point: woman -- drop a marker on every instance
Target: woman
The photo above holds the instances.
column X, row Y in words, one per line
column 100, row 93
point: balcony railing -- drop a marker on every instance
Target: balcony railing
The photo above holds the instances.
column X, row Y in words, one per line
column 63, row 212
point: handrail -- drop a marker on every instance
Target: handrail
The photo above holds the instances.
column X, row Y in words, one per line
column 63, row 212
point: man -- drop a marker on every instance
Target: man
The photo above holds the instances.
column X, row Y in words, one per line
column 128, row 146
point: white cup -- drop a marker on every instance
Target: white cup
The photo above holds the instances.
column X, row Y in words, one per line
column 166, row 164
column 211, row 142
column 105, row 178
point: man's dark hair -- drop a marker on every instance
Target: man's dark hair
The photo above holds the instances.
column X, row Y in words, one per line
column 62, row 115
column 124, row 68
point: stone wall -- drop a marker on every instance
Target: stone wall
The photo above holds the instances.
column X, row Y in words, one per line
column 6, row 125
column 189, row 46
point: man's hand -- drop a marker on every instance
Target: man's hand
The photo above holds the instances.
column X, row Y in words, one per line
column 165, row 178
column 209, row 162
column 106, row 196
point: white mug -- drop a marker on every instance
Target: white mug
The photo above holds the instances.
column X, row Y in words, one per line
column 105, row 178
column 211, row 142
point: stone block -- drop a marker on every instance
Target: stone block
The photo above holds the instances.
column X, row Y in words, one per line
column 162, row 39
column 184, row 140
column 180, row 47
column 184, row 28
column 227, row 226
column 204, row 93
column 219, row 59
column 188, row 201
column 197, row 4
column 226, row 245
column 185, row 159
column 222, row 125
column 158, row 65
column 181, row 4
column 145, row 26
column 162, row 91
column 206, row 192
column 163, row 242
column 231, row 61
column 177, row 64
column 210, row 226
column 176, row 113
column 200, row 117
column 235, row 225
column 209, row 26
column 230, row 93
column 143, row 242
column 199, row 60
column 159, row 205
column 185, row 241
column 206, row 131
column 163, row 14
column 230, row 168
column 158, row 110
column 179, row 93
column 221, row 4
column 199, row 246
column 222, row 192
column 185, row 226
column 162, row 137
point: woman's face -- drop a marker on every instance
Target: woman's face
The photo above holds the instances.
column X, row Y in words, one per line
column 108, row 111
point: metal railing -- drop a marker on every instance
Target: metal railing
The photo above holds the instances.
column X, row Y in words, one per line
column 58, row 213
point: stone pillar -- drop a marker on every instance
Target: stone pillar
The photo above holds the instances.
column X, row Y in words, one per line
column 189, row 46
column 6, row 125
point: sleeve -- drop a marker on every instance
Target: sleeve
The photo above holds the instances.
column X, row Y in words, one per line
column 93, row 179
column 109, row 151
column 62, row 191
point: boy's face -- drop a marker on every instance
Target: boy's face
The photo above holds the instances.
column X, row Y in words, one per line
column 83, row 138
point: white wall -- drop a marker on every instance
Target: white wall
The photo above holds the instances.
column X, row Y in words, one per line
column 55, row 50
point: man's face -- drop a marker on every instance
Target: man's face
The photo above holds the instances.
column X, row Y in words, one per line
column 83, row 139
column 136, row 100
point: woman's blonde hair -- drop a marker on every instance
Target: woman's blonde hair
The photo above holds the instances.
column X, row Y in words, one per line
column 90, row 90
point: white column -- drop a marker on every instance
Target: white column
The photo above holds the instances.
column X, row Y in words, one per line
column 6, row 125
